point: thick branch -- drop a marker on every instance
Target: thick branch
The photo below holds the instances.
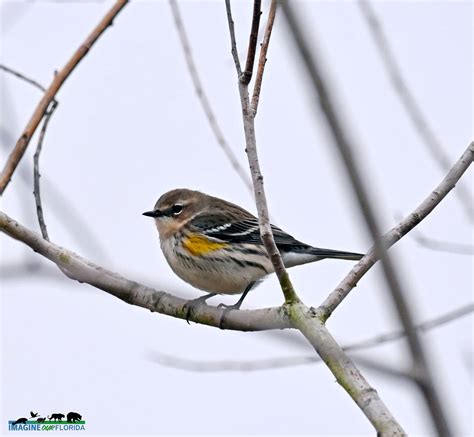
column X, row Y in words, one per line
column 22, row 143
column 396, row 233
column 137, row 294
column 345, row 371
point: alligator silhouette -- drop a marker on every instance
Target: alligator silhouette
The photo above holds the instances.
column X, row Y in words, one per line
column 20, row 420
column 73, row 417
column 56, row 416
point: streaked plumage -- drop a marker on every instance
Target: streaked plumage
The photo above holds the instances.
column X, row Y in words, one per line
column 215, row 245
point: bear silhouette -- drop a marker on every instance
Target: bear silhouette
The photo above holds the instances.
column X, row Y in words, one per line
column 20, row 420
column 73, row 417
column 56, row 416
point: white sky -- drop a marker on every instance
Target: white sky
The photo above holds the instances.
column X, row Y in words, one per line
column 129, row 127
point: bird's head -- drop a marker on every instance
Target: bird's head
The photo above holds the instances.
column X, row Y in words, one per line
column 176, row 207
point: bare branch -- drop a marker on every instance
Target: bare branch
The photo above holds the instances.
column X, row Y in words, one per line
column 247, row 73
column 422, row 327
column 62, row 207
column 36, row 178
column 441, row 245
column 29, row 268
column 385, row 369
column 346, row 149
column 310, row 324
column 233, row 44
column 140, row 295
column 207, row 366
column 263, row 57
column 396, row 233
column 257, row 179
column 283, row 362
column 23, row 77
column 203, row 99
column 22, row 143
column 418, row 119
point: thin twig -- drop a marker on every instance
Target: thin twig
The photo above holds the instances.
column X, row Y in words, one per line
column 439, row 245
column 284, row 362
column 426, row 326
column 202, row 366
column 413, row 109
column 233, row 44
column 385, row 368
column 246, row 76
column 49, row 95
column 203, row 99
column 23, row 77
column 36, row 173
column 442, row 245
column 344, row 145
column 262, row 60
column 397, row 232
column 31, row 269
column 206, row 366
column 257, row 179
column 60, row 205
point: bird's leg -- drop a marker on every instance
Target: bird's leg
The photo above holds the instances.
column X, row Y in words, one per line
column 236, row 305
column 190, row 305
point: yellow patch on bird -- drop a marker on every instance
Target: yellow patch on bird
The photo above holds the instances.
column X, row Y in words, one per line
column 199, row 245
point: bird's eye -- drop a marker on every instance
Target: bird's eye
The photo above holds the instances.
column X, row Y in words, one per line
column 177, row 209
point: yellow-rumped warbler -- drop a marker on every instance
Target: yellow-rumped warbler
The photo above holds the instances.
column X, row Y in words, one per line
column 215, row 245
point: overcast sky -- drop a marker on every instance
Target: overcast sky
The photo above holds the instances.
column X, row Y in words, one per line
column 129, row 127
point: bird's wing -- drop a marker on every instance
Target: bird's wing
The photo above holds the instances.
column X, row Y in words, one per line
column 219, row 227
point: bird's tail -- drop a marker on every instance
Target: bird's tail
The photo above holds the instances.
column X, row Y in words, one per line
column 302, row 254
column 338, row 254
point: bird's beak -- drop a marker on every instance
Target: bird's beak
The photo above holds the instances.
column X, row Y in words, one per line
column 156, row 213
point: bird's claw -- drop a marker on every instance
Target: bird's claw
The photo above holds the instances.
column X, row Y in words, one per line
column 227, row 309
column 192, row 304
column 235, row 306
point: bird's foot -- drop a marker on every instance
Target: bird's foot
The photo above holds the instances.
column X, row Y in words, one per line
column 227, row 309
column 191, row 305
column 236, row 306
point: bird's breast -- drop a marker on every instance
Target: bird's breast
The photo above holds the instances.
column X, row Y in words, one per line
column 212, row 266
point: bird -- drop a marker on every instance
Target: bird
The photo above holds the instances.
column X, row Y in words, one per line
column 215, row 245
column 33, row 415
